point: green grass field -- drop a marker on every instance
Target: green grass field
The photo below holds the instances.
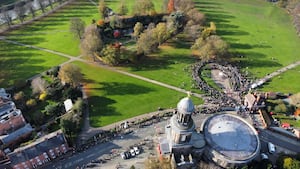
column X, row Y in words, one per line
column 114, row 4
column 20, row 63
column 52, row 32
column 170, row 65
column 288, row 82
column 114, row 97
column 258, row 31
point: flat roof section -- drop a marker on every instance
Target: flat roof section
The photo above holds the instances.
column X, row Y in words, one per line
column 231, row 136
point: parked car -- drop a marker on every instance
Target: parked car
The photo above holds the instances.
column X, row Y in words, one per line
column 271, row 148
column 136, row 150
column 264, row 156
column 132, row 152
column 125, row 155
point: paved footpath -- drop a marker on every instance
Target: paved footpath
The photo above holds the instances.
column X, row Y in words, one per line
column 278, row 72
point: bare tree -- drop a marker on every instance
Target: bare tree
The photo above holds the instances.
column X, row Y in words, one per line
column 38, row 85
column 123, row 9
column 42, row 5
column 5, row 16
column 20, row 10
column 29, row 6
column 77, row 27
column 143, row 7
column 91, row 43
column 50, row 3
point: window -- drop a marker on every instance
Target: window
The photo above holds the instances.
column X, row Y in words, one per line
column 183, row 138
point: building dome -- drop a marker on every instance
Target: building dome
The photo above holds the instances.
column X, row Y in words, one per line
column 231, row 140
column 185, row 106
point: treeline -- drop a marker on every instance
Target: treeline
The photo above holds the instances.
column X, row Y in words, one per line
column 24, row 8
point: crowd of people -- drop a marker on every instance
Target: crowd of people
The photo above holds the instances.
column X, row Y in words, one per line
column 238, row 83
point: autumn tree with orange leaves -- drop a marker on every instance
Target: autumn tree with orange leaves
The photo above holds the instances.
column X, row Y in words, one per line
column 171, row 6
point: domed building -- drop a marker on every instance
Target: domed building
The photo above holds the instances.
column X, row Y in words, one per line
column 182, row 140
column 225, row 139
column 230, row 140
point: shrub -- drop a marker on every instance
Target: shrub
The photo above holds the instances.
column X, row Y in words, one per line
column 31, row 103
column 43, row 96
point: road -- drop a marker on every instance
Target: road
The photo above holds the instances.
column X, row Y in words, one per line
column 280, row 140
column 103, row 150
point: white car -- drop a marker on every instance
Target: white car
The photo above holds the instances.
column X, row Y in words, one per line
column 137, row 150
column 271, row 148
column 132, row 152
column 264, row 156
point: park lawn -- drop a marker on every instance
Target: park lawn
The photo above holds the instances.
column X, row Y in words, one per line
column 114, row 97
column 258, row 31
column 114, row 5
column 170, row 64
column 19, row 63
column 287, row 82
column 52, row 32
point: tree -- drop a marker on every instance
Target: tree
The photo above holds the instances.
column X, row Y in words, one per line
column 91, row 43
column 123, row 9
column 146, row 43
column 161, row 33
column 295, row 99
column 110, row 55
column 196, row 16
column 70, row 74
column 212, row 47
column 192, row 30
column 29, row 6
column 19, row 96
column 6, row 16
column 77, row 27
column 20, row 10
column 31, row 103
column 38, row 85
column 143, row 7
column 164, row 6
column 102, row 8
column 52, row 109
column 137, row 30
column 171, row 7
column 184, row 5
column 50, row 3
column 42, row 5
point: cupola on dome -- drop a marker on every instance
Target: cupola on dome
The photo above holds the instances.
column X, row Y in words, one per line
column 185, row 106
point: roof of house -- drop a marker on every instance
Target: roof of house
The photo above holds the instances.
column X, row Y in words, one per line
column 16, row 134
column 13, row 123
column 37, row 148
column 6, row 107
column 250, row 98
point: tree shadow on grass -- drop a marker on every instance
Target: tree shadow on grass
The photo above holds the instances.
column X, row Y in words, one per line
column 258, row 63
column 116, row 88
column 101, row 106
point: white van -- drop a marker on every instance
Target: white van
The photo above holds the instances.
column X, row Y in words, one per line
column 271, row 147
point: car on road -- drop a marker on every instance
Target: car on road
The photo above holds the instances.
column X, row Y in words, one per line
column 271, row 147
column 136, row 150
column 125, row 155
